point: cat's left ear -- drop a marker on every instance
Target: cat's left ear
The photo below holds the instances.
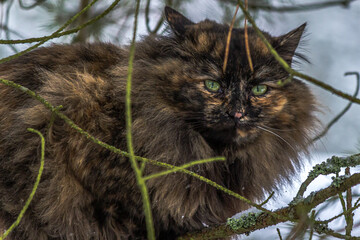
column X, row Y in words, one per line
column 286, row 44
column 177, row 21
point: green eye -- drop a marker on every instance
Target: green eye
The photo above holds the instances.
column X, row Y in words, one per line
column 212, row 86
column 259, row 89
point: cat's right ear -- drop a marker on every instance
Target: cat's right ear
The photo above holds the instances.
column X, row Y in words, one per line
column 177, row 21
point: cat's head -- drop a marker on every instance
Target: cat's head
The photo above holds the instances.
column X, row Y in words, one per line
column 235, row 105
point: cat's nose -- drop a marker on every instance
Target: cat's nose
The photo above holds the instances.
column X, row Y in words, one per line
column 237, row 114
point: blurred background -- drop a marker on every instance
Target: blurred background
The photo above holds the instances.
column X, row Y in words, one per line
column 331, row 43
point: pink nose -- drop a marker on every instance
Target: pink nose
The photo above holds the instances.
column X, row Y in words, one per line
column 238, row 115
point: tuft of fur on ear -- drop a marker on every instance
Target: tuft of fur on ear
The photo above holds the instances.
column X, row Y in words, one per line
column 286, row 44
column 177, row 21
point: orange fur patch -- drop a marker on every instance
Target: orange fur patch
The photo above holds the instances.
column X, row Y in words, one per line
column 260, row 46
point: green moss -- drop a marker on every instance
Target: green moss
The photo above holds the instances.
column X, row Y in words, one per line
column 309, row 199
column 321, row 228
column 243, row 222
column 296, row 200
column 334, row 165
column 338, row 180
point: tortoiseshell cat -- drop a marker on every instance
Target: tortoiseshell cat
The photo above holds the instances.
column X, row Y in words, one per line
column 184, row 108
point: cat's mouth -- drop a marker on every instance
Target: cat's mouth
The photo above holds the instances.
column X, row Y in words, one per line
column 244, row 129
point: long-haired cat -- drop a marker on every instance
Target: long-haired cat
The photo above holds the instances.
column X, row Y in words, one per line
column 185, row 108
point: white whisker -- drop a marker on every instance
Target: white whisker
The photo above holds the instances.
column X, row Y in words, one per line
column 280, row 130
column 277, row 135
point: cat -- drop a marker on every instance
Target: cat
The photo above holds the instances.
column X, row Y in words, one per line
column 184, row 108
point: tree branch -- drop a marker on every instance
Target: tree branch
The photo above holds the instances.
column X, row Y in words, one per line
column 33, row 191
column 264, row 220
column 60, row 34
column 342, row 113
column 296, row 8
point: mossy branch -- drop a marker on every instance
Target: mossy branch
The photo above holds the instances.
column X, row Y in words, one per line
column 33, row 191
column 252, row 222
column 332, row 165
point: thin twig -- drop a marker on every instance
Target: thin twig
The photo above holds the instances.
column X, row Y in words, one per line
column 340, row 236
column 138, row 173
column 51, row 36
column 312, row 221
column 6, row 28
column 247, row 47
column 71, row 31
column 342, row 113
column 349, row 215
column 33, row 191
column 356, row 206
column 187, row 165
column 279, row 233
column 267, row 200
column 342, row 201
column 229, row 39
column 6, row 23
column 147, row 20
column 255, row 5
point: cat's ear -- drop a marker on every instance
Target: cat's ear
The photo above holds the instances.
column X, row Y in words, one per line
column 286, row 44
column 177, row 21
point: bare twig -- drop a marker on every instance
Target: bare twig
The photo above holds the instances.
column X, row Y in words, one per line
column 229, row 39
column 6, row 23
column 82, row 34
column 33, row 191
column 267, row 200
column 349, row 215
column 312, row 220
column 247, row 47
column 147, row 20
column 187, row 165
column 356, row 206
column 279, row 233
column 138, row 173
column 342, row 113
column 59, row 34
column 52, row 35
column 297, row 8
